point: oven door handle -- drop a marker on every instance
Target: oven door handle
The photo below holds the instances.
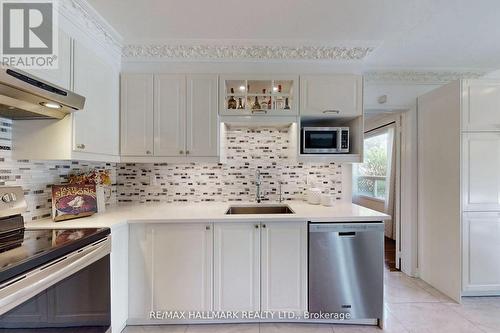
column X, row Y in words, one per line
column 20, row 289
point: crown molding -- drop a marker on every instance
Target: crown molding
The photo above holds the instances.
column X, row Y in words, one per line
column 80, row 13
column 422, row 77
column 245, row 52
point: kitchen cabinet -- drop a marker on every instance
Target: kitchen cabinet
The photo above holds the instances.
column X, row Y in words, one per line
column 170, row 115
column 481, row 105
column 61, row 75
column 90, row 134
column 284, row 266
column 202, row 134
column 136, row 121
column 331, row 95
column 179, row 119
column 170, row 268
column 481, row 176
column 481, row 273
column 237, row 266
column 258, row 95
column 96, row 127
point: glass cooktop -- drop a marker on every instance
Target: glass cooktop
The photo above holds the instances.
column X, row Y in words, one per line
column 28, row 249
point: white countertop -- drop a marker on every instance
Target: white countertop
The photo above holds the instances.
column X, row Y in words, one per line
column 211, row 212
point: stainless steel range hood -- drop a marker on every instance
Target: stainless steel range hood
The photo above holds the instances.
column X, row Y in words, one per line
column 24, row 96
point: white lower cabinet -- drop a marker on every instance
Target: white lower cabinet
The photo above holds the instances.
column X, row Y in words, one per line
column 237, row 267
column 284, row 266
column 255, row 267
column 261, row 260
column 170, row 268
column 481, row 246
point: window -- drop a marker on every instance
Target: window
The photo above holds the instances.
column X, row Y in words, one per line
column 370, row 177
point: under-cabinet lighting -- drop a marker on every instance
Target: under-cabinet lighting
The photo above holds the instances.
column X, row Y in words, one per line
column 242, row 88
column 51, row 105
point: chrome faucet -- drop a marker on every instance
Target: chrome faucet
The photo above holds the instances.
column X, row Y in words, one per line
column 281, row 191
column 258, row 196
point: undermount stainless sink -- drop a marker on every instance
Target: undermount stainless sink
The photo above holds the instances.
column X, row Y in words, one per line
column 278, row 209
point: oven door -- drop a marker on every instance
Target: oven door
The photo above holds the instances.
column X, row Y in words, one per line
column 320, row 140
column 71, row 293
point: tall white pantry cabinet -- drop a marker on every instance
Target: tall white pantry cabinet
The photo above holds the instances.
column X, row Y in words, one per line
column 459, row 188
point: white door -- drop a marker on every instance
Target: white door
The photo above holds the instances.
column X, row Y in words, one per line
column 237, row 267
column 331, row 95
column 96, row 128
column 481, row 171
column 182, row 260
column 170, row 115
column 202, row 125
column 61, row 75
column 481, row 105
column 284, row 266
column 136, row 114
column 481, row 271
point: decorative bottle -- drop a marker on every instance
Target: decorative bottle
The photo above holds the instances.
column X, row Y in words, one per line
column 231, row 102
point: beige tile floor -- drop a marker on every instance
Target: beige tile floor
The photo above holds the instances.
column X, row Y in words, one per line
column 411, row 306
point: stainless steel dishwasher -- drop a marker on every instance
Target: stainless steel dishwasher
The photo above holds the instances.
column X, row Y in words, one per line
column 346, row 269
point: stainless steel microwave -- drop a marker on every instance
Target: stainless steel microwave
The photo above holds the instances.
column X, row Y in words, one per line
column 325, row 140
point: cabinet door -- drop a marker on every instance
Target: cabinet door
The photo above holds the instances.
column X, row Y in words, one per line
column 181, row 276
column 481, row 176
column 61, row 75
column 96, row 128
column 202, row 131
column 237, row 267
column 481, row 105
column 140, row 260
column 481, row 269
column 284, row 266
column 136, row 114
column 331, row 95
column 170, row 115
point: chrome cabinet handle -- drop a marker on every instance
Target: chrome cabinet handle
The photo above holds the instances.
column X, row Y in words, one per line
column 262, row 111
column 207, row 227
column 332, row 111
column 264, row 226
column 148, row 152
column 80, row 146
column 181, row 152
column 187, row 152
column 256, row 226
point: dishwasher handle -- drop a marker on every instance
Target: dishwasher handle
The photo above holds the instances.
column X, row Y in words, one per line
column 346, row 229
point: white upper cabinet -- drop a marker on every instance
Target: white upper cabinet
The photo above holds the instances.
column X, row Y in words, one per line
column 237, row 267
column 61, row 75
column 481, row 105
column 169, row 115
column 331, row 95
column 284, row 266
column 136, row 114
column 202, row 123
column 96, row 127
column 481, row 175
column 481, row 273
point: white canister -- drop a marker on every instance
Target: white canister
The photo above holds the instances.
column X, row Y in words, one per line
column 327, row 200
column 101, row 199
column 314, row 196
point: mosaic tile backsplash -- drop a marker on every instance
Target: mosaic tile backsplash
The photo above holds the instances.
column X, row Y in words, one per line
column 36, row 177
column 247, row 150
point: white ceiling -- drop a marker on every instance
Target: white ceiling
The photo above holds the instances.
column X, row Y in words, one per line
column 407, row 34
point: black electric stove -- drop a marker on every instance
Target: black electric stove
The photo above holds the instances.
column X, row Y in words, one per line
column 37, row 264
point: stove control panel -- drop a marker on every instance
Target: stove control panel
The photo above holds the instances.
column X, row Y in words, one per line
column 12, row 201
